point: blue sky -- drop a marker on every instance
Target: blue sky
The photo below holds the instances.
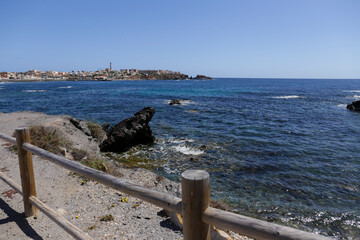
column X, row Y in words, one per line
column 227, row 38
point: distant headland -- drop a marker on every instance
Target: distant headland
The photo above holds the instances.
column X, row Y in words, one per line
column 107, row 74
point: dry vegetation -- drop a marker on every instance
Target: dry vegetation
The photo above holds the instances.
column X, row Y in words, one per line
column 96, row 131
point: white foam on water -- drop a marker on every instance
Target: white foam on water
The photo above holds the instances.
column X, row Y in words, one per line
column 187, row 150
column 183, row 102
column 342, row 105
column 352, row 91
column 176, row 141
column 356, row 96
column 352, row 223
column 187, row 102
column 66, row 87
column 287, row 97
column 35, row 91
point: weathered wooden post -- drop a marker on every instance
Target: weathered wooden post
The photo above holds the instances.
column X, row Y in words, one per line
column 26, row 170
column 195, row 199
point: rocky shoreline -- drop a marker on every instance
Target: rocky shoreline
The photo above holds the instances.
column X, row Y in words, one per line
column 83, row 202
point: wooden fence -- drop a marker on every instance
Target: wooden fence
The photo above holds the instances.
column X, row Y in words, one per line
column 193, row 206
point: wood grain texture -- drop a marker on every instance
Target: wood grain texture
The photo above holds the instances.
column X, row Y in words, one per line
column 59, row 220
column 11, row 183
column 8, row 138
column 26, row 170
column 195, row 187
column 157, row 198
column 255, row 228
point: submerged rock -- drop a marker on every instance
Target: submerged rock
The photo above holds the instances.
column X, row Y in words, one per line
column 354, row 106
column 129, row 132
column 176, row 102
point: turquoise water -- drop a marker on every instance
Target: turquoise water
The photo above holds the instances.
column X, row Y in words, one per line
column 282, row 150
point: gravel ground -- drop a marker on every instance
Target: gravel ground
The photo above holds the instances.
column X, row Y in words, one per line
column 82, row 204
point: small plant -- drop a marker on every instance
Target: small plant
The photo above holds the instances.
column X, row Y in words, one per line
column 96, row 131
column 95, row 162
column 48, row 138
column 131, row 160
column 92, row 227
column 78, row 154
column 107, row 218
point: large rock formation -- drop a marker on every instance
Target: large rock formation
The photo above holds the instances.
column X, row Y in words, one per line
column 129, row 132
column 354, row 106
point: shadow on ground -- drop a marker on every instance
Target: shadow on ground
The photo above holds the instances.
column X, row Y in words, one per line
column 19, row 219
column 167, row 223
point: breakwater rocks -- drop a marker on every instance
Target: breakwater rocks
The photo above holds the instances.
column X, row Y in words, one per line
column 355, row 106
column 129, row 132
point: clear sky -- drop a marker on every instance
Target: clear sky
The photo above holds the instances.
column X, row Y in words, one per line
column 224, row 38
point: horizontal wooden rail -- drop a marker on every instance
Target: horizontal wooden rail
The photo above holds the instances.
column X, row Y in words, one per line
column 157, row 198
column 11, row 183
column 8, row 138
column 57, row 218
column 251, row 227
column 254, row 228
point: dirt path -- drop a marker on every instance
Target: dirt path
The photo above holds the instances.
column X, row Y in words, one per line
column 82, row 204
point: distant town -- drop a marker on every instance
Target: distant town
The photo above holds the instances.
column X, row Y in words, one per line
column 107, row 74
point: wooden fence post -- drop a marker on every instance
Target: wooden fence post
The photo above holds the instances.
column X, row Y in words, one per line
column 26, row 170
column 195, row 187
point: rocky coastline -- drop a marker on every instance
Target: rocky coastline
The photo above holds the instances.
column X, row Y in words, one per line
column 84, row 202
column 100, row 75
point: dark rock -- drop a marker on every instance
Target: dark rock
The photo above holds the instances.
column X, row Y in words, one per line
column 176, row 102
column 203, row 148
column 81, row 125
column 129, row 132
column 354, row 106
column 201, row 77
column 105, row 126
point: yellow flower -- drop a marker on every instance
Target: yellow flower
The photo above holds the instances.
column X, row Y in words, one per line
column 77, row 216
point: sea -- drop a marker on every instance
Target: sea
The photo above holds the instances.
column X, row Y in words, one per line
column 283, row 150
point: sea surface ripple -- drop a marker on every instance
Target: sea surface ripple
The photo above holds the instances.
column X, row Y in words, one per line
column 282, row 150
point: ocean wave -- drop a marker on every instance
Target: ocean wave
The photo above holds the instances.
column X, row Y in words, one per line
column 66, row 87
column 342, row 105
column 176, row 141
column 187, row 150
column 287, row 97
column 356, row 96
column 183, row 102
column 352, row 91
column 35, row 91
